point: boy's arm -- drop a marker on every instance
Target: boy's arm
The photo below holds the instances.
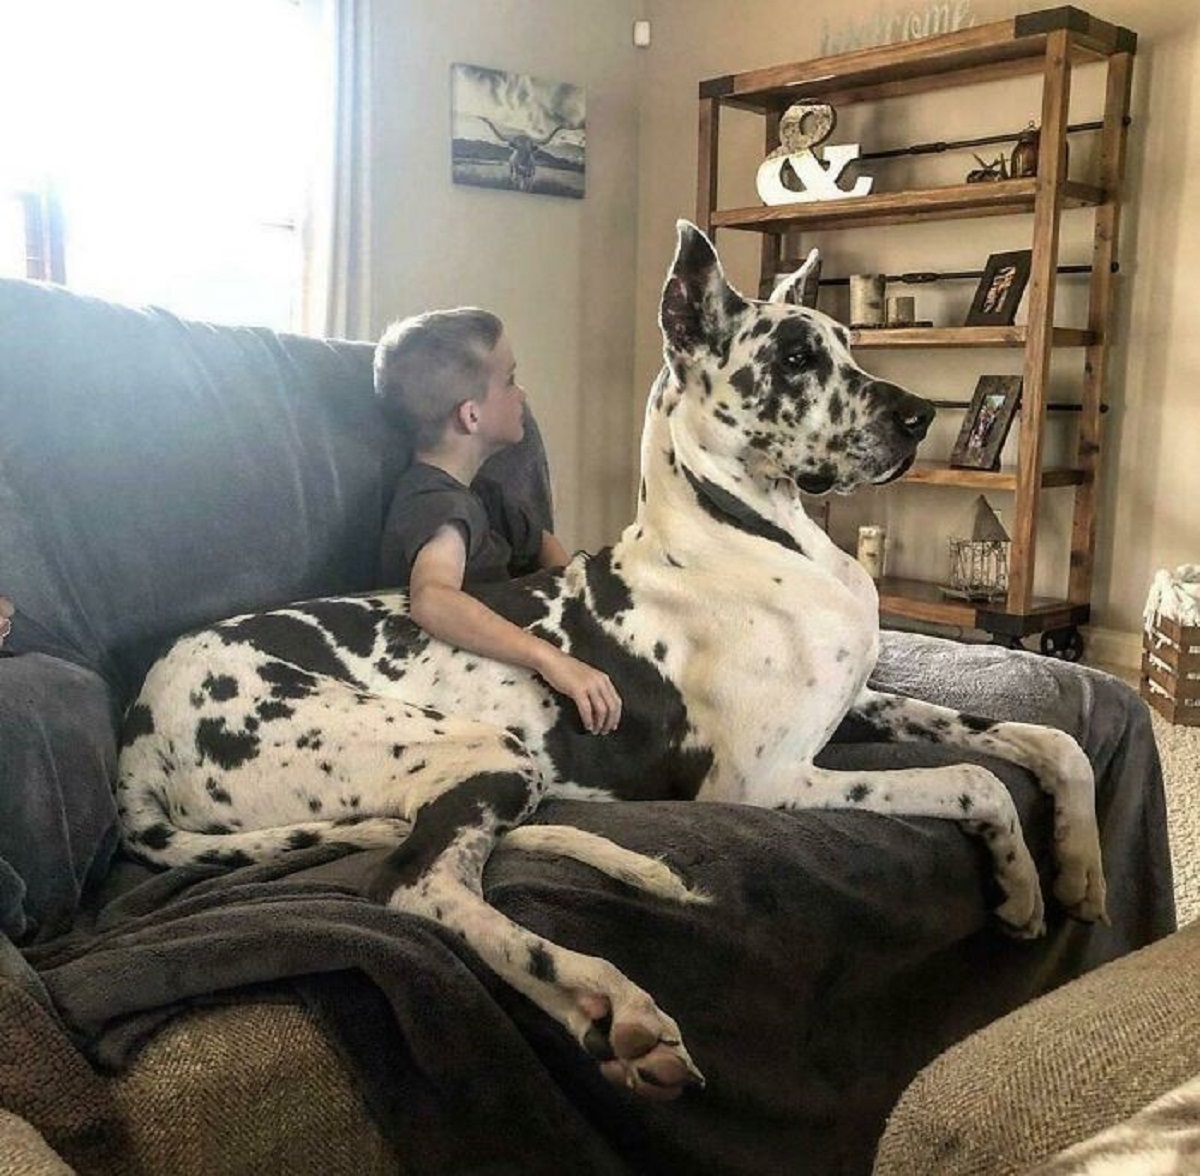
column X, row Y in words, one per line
column 553, row 554
column 438, row 604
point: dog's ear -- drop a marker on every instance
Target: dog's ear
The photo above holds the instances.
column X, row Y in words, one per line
column 698, row 304
column 785, row 290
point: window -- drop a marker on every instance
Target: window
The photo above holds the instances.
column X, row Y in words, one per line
column 178, row 137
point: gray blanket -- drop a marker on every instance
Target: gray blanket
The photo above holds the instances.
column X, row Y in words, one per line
column 843, row 952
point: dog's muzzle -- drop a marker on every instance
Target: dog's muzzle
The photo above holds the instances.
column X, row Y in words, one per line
column 905, row 419
column 909, row 415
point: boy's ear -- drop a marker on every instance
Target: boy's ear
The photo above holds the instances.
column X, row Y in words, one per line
column 466, row 416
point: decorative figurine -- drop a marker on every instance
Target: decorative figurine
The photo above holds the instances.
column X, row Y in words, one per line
column 988, row 172
column 793, row 174
column 1024, row 160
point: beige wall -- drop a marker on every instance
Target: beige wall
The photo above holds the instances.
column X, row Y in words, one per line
column 560, row 272
column 1152, row 476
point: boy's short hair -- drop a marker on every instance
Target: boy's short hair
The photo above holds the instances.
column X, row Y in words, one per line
column 428, row 364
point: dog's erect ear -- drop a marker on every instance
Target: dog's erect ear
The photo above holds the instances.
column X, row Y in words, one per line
column 786, row 287
column 698, row 304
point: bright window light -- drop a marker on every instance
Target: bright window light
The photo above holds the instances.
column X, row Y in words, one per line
column 179, row 134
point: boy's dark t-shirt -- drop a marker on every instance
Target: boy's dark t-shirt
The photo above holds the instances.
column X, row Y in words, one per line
column 501, row 538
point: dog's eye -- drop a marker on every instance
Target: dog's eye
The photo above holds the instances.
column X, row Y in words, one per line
column 796, row 358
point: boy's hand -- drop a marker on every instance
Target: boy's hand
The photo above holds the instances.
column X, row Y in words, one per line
column 591, row 690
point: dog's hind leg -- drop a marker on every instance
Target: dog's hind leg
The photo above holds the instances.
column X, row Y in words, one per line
column 965, row 793
column 437, row 874
column 636, row 870
column 1055, row 759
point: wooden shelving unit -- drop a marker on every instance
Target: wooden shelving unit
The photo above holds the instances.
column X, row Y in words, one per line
column 1050, row 43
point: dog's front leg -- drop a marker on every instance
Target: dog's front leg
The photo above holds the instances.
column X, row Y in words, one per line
column 1058, row 762
column 965, row 793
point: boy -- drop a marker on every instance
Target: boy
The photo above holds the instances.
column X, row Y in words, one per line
column 449, row 378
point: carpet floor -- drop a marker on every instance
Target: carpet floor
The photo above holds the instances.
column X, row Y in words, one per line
column 1179, row 750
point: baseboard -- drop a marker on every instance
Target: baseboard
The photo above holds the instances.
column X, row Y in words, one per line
column 1113, row 647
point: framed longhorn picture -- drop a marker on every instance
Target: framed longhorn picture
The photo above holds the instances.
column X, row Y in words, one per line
column 517, row 132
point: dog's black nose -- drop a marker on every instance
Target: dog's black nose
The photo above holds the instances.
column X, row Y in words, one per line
column 911, row 414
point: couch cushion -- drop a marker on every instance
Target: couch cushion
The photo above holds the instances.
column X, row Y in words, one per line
column 247, row 1088
column 58, row 819
column 1055, row 1072
column 156, row 473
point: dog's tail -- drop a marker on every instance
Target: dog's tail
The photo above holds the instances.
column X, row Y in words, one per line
column 150, row 835
column 650, row 874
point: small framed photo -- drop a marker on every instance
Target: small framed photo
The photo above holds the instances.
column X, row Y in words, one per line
column 986, row 425
column 1000, row 289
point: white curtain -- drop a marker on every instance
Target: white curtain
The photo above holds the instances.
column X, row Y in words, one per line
column 336, row 228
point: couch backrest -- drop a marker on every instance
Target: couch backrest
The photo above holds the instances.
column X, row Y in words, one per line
column 157, row 474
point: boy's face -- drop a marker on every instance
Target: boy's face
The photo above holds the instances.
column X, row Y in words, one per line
column 502, row 408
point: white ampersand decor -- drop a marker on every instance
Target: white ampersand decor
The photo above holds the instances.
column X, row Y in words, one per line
column 819, row 179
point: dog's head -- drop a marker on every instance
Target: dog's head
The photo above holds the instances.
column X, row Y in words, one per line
column 773, row 388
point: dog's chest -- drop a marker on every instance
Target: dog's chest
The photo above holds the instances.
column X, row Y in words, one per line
column 768, row 658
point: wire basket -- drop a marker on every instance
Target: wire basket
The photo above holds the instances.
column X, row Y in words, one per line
column 978, row 569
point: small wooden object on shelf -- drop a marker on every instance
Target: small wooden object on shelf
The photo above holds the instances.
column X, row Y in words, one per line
column 1050, row 43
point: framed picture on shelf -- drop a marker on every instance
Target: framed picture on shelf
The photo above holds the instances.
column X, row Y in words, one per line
column 986, row 425
column 1000, row 289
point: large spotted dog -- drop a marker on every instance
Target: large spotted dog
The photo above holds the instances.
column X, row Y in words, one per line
column 737, row 634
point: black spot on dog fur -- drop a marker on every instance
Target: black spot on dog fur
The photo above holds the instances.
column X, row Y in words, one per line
column 291, row 640
column 157, row 836
column 660, row 650
column 221, row 687
column 541, row 964
column 230, row 858
column 303, row 839
column 314, row 804
column 227, row 749
column 524, row 601
column 965, row 803
column 139, row 721
column 286, row 681
column 610, row 594
column 269, row 710
column 507, row 796
column 745, row 381
column 353, row 624
column 858, row 792
column 976, row 724
column 644, row 757
column 216, row 792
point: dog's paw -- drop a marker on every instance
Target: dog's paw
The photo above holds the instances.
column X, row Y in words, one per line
column 1082, row 891
column 1022, row 914
column 639, row 1047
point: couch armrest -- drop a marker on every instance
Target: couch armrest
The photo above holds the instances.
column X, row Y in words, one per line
column 1056, row 1071
column 23, row 1150
column 58, row 819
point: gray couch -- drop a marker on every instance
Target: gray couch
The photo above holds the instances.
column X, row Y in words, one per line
column 157, row 474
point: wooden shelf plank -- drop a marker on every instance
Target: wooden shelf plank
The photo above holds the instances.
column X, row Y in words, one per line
column 940, row 474
column 1001, row 49
column 1001, row 198
column 920, row 600
column 1015, row 336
